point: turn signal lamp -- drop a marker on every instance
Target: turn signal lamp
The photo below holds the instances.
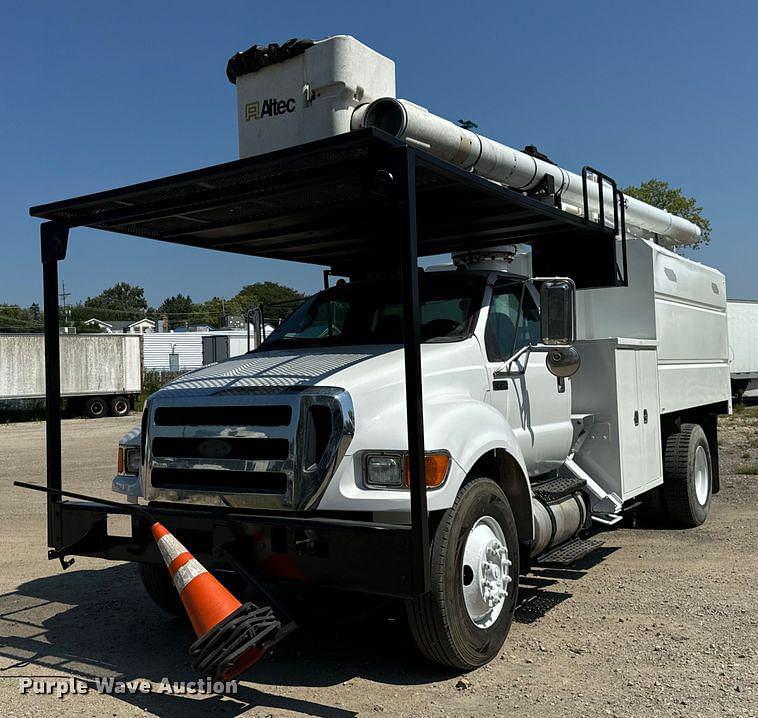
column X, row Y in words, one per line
column 436, row 465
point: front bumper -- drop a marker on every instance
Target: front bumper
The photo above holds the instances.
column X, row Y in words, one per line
column 339, row 553
column 127, row 485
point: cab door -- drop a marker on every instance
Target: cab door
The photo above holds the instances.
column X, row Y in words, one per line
column 534, row 403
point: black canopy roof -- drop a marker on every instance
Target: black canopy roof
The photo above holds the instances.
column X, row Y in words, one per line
column 324, row 203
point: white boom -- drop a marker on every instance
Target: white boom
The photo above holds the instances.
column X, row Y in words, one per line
column 513, row 168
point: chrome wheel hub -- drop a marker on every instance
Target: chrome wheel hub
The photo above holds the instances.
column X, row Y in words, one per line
column 485, row 573
column 702, row 477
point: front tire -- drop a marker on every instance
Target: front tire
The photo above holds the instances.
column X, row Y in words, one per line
column 160, row 588
column 462, row 622
column 687, row 476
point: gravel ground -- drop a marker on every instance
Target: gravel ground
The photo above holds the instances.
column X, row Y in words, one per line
column 660, row 623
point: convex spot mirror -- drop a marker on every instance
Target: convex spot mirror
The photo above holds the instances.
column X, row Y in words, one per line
column 563, row 362
column 557, row 312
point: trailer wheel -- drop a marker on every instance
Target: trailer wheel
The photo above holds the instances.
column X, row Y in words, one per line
column 119, row 406
column 95, row 407
column 687, row 476
column 462, row 622
column 160, row 588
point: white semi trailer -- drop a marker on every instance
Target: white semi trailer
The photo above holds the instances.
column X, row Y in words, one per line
column 742, row 316
column 428, row 435
column 101, row 374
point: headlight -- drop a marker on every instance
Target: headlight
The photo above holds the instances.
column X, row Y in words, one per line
column 384, row 470
column 129, row 460
column 133, row 460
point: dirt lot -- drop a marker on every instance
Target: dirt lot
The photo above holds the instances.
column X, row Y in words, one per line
column 661, row 623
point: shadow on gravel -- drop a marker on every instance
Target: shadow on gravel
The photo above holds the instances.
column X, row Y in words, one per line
column 536, row 598
column 94, row 624
column 99, row 623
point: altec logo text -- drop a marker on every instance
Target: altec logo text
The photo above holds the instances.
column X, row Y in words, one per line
column 268, row 108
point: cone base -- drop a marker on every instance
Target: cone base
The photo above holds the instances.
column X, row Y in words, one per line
column 236, row 643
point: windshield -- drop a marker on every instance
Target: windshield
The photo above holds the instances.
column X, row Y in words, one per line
column 371, row 312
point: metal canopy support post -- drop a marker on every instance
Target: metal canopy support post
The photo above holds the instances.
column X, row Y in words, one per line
column 54, row 241
column 404, row 171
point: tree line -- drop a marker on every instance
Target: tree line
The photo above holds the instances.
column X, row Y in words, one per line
column 126, row 302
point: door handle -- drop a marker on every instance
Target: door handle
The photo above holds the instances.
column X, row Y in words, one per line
column 644, row 416
column 636, row 417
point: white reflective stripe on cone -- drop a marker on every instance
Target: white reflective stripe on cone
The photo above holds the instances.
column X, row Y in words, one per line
column 170, row 548
column 192, row 569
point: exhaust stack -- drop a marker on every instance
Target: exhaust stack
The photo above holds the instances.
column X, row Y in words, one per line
column 506, row 165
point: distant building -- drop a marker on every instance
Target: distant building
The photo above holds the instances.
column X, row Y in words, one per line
column 200, row 328
column 117, row 326
column 231, row 321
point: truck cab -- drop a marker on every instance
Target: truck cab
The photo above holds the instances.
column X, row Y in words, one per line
column 340, row 353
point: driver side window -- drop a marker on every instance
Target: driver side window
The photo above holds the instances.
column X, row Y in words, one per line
column 513, row 321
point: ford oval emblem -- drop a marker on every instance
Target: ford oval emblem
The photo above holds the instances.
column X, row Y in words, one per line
column 215, row 448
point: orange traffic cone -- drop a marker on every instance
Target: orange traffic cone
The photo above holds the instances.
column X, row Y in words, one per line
column 231, row 636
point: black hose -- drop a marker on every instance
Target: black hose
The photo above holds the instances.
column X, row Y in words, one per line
column 129, row 508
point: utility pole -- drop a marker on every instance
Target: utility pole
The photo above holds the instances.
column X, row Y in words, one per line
column 63, row 296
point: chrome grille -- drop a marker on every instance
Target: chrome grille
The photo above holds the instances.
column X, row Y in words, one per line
column 260, row 450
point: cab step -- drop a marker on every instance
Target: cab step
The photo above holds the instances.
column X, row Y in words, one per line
column 570, row 552
column 558, row 488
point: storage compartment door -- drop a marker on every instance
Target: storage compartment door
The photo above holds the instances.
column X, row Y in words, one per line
column 629, row 420
column 651, row 468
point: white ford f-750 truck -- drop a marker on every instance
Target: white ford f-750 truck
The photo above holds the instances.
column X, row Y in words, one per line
column 561, row 383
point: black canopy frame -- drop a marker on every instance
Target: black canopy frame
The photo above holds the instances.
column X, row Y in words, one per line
column 363, row 199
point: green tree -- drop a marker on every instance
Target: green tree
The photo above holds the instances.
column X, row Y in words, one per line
column 15, row 319
column 265, row 293
column 211, row 311
column 180, row 304
column 179, row 308
column 121, row 301
column 660, row 194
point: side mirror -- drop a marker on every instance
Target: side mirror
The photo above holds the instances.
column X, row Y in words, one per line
column 563, row 362
column 557, row 312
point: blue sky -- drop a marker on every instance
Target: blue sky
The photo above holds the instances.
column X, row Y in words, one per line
column 95, row 95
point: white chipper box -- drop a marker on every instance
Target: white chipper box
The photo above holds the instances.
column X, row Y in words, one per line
column 308, row 96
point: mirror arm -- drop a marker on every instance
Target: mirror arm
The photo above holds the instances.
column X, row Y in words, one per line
column 505, row 370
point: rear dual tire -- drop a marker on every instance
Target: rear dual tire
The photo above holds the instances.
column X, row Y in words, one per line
column 96, row 407
column 687, row 476
column 119, row 406
column 463, row 620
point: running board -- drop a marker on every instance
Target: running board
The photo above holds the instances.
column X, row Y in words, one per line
column 569, row 553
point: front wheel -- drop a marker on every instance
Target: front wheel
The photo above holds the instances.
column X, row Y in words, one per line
column 160, row 588
column 462, row 622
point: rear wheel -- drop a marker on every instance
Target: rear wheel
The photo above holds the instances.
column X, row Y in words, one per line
column 160, row 588
column 462, row 622
column 687, row 476
column 95, row 407
column 119, row 406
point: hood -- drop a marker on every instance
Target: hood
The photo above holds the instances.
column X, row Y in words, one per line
column 356, row 369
